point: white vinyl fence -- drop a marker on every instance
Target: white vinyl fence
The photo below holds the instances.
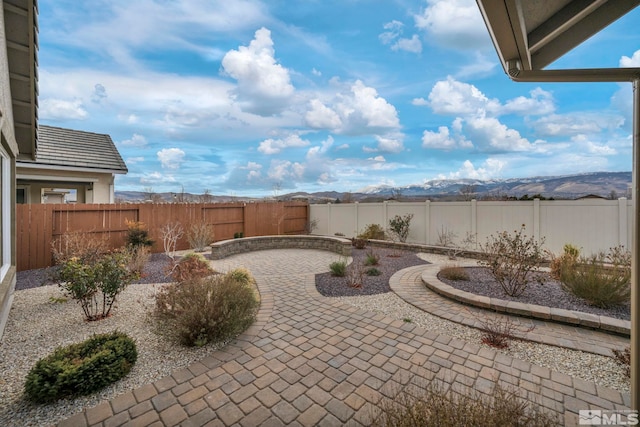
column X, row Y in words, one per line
column 590, row 224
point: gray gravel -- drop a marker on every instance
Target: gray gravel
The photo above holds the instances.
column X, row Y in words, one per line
column 390, row 261
column 550, row 294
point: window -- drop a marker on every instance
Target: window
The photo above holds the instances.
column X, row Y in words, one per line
column 5, row 213
column 22, row 194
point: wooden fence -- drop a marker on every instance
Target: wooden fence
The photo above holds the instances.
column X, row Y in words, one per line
column 37, row 226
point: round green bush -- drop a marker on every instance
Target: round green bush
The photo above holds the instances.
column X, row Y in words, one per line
column 81, row 369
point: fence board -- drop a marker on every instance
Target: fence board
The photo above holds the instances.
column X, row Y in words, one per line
column 37, row 226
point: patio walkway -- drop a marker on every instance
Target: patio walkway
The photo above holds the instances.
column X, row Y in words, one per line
column 309, row 361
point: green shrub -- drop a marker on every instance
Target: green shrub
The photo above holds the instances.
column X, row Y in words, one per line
column 454, row 273
column 372, row 258
column 513, row 260
column 373, row 272
column 81, row 369
column 138, row 234
column 200, row 235
column 338, row 268
column 372, row 231
column 190, row 267
column 242, row 275
column 399, row 226
column 602, row 280
column 96, row 286
column 433, row 407
column 198, row 312
column 238, row 235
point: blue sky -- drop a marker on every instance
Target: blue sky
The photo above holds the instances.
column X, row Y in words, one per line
column 241, row 97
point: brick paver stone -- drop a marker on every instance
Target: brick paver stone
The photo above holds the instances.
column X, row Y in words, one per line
column 310, row 360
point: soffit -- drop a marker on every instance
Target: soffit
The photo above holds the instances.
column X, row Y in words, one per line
column 21, row 30
column 537, row 32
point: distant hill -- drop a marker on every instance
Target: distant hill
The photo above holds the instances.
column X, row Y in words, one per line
column 601, row 184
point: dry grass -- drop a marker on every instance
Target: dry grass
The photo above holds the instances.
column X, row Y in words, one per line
column 435, row 407
column 454, row 272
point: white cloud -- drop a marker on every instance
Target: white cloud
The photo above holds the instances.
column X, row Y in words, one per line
column 377, row 159
column 490, row 134
column 577, row 123
column 322, row 117
column 134, row 160
column 413, row 45
column 122, row 27
column 316, row 72
column 60, row 109
column 171, row 158
column 453, row 97
column 634, row 61
column 389, row 144
column 135, row 141
column 317, row 151
column 393, row 38
column 285, row 170
column 482, row 65
column 540, row 102
column 364, row 107
column 440, row 140
column 491, row 168
column 454, row 24
column 156, row 178
column 419, row 102
column 274, row 146
column 358, row 110
column 264, row 86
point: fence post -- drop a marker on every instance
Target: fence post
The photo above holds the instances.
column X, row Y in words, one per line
column 474, row 219
column 427, row 221
column 356, row 220
column 385, row 213
column 622, row 223
column 536, row 219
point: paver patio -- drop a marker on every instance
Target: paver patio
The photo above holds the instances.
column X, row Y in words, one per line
column 309, row 360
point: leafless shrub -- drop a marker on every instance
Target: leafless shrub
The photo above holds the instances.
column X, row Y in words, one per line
column 498, row 331
column 200, row 235
column 138, row 257
column 171, row 233
column 623, row 358
column 512, row 260
column 87, row 247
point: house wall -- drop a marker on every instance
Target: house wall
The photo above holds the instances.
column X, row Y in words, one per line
column 591, row 224
column 100, row 191
column 9, row 149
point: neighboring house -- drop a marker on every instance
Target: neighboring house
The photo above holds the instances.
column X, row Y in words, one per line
column 69, row 166
column 18, row 124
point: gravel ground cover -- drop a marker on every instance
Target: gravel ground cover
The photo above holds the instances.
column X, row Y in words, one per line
column 39, row 322
column 390, row 261
column 550, row 294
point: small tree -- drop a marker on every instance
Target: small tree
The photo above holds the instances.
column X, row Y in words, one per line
column 200, row 235
column 513, row 260
column 399, row 226
column 171, row 233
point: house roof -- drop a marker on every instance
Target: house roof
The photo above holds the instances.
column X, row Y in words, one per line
column 530, row 34
column 73, row 149
column 21, row 32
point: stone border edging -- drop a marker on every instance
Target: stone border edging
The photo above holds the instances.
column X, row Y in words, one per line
column 226, row 248
column 559, row 315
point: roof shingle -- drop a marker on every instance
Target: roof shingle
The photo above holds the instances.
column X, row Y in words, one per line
column 74, row 148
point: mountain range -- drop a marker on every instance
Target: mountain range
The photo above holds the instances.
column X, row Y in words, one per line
column 597, row 184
